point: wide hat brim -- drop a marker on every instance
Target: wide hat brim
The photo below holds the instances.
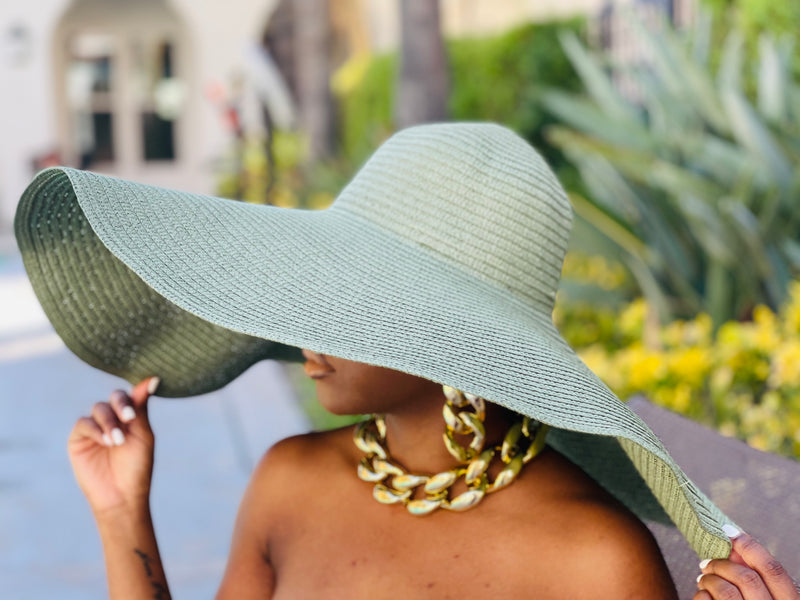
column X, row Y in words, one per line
column 140, row 280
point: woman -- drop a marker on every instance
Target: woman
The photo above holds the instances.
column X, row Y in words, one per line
column 436, row 266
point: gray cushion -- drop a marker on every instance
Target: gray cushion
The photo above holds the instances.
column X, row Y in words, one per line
column 758, row 490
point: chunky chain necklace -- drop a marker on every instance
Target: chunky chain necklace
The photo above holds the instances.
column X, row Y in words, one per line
column 464, row 415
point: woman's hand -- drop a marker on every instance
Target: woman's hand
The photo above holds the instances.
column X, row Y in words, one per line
column 750, row 573
column 111, row 451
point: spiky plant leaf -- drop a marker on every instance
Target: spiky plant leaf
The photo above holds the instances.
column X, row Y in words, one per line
column 697, row 188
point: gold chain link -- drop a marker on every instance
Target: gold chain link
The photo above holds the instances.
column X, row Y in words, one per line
column 463, row 415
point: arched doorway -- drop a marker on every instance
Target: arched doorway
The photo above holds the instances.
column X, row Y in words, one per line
column 122, row 72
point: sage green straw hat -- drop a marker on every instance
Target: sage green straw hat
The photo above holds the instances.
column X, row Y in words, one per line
column 441, row 259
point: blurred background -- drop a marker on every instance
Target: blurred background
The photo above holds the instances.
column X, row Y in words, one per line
column 673, row 124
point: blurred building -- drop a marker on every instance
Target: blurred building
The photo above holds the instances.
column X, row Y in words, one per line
column 155, row 90
column 136, row 88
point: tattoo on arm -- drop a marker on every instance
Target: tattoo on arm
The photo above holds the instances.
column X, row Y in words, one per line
column 160, row 591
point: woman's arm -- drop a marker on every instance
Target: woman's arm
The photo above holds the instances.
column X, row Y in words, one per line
column 249, row 572
column 111, row 452
column 133, row 564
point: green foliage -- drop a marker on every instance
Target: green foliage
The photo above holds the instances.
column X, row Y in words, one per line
column 743, row 380
column 497, row 78
column 366, row 109
column 755, row 17
column 502, row 78
column 246, row 174
column 694, row 186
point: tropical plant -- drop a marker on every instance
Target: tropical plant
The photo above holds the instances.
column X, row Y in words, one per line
column 754, row 17
column 743, row 380
column 495, row 78
column 692, row 183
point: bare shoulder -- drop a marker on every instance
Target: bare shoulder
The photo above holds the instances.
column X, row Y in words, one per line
column 616, row 555
column 295, row 458
column 605, row 550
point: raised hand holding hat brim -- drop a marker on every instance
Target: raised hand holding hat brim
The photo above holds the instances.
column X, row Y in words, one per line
column 111, row 451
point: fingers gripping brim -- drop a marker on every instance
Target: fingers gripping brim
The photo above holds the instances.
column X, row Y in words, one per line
column 108, row 316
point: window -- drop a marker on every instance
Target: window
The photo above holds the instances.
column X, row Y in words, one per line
column 160, row 96
column 123, row 99
column 90, row 89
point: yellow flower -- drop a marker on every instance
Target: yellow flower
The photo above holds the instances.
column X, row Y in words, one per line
column 595, row 358
column 732, row 366
column 681, row 398
column 785, row 371
column 645, row 367
column 761, row 370
column 283, row 198
column 791, row 310
column 631, row 320
column 350, row 74
column 690, row 366
column 765, row 335
column 733, row 336
column 673, row 334
column 698, row 332
column 759, row 441
column 721, row 379
column 320, row 200
column 728, row 429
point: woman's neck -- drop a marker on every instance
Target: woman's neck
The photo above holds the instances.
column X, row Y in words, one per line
column 414, row 434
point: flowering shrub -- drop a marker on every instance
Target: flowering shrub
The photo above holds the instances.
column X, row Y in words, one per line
column 245, row 173
column 744, row 380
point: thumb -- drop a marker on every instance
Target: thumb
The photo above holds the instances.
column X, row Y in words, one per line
column 142, row 391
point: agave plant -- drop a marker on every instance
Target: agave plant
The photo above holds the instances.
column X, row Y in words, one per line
column 694, row 184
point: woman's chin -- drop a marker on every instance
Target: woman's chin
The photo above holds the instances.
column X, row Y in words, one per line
column 337, row 406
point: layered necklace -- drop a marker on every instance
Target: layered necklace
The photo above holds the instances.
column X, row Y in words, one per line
column 464, row 415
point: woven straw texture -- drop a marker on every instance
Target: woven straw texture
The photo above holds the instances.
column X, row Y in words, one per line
column 441, row 259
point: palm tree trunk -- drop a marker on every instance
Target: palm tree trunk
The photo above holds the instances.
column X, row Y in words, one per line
column 423, row 85
column 312, row 53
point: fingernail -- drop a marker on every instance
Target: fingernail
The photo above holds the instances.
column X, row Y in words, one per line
column 128, row 414
column 704, row 563
column 152, row 385
column 107, row 440
column 117, row 436
column 699, row 577
column 731, row 531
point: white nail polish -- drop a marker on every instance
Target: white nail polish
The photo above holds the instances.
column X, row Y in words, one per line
column 128, row 414
column 699, row 577
column 107, row 440
column 152, row 386
column 117, row 436
column 731, row 531
column 704, row 563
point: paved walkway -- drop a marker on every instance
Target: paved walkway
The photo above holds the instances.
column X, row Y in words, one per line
column 205, row 449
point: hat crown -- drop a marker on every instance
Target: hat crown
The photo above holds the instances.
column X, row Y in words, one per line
column 478, row 196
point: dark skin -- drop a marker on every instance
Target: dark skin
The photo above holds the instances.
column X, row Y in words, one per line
column 529, row 540
column 309, row 528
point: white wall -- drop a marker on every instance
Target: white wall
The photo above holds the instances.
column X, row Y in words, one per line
column 220, row 30
column 27, row 120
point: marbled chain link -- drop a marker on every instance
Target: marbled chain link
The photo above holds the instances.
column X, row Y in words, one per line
column 464, row 415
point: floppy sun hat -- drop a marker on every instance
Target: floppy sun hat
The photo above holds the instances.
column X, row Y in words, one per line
column 441, row 258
